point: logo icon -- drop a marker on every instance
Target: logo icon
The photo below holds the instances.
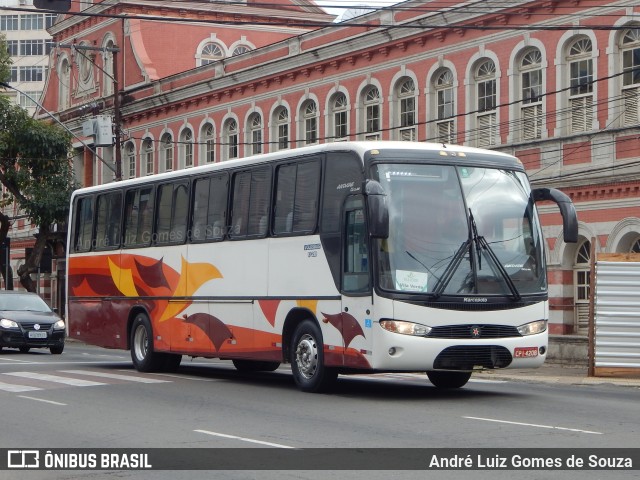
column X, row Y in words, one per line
column 475, row 331
column 36, row 326
column 23, row 459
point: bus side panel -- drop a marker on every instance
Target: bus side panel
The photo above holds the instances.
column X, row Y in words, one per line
column 93, row 315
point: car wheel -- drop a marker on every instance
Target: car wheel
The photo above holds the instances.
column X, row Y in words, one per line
column 449, row 379
column 57, row 350
column 307, row 360
column 142, row 354
column 255, row 366
column 24, row 349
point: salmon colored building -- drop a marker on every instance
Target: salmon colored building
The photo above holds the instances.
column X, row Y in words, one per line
column 555, row 83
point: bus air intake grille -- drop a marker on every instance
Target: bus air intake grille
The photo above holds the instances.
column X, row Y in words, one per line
column 463, row 357
column 474, row 331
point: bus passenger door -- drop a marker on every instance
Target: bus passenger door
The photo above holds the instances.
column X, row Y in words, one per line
column 357, row 300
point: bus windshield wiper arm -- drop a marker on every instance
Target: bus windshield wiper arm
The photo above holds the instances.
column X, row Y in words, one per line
column 451, row 268
column 482, row 244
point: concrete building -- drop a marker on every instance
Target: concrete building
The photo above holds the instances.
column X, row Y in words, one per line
column 29, row 44
column 554, row 82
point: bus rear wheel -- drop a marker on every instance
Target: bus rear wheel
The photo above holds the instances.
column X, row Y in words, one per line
column 255, row 365
column 142, row 354
column 449, row 379
column 307, row 359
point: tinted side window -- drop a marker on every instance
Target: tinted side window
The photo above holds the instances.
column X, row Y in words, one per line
column 250, row 204
column 296, row 202
column 209, row 208
column 172, row 211
column 138, row 219
column 343, row 177
column 83, row 224
column 108, row 220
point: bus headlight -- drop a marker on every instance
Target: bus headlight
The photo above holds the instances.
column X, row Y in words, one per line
column 405, row 328
column 532, row 328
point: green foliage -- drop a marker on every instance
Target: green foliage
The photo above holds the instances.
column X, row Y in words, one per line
column 5, row 60
column 35, row 166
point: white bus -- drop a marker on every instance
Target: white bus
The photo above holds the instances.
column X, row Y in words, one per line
column 340, row 258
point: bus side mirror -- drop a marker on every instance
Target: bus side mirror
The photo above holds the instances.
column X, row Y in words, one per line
column 567, row 210
column 377, row 209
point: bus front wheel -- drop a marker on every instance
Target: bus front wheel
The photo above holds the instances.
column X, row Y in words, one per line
column 307, row 359
column 449, row 379
column 142, row 354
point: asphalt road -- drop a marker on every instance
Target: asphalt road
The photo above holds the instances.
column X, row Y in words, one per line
column 93, row 398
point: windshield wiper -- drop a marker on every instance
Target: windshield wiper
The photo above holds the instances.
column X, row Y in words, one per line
column 482, row 244
column 446, row 277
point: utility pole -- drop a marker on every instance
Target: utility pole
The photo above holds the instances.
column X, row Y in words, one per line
column 116, row 116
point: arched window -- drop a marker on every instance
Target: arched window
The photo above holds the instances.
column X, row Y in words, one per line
column 443, row 87
column 211, row 52
column 309, row 116
column 281, row 128
column 130, row 156
column 486, row 116
column 147, row 156
column 166, row 152
column 255, row 133
column 406, row 95
column 339, row 117
column 240, row 49
column 582, row 284
column 371, row 102
column 230, row 139
column 64, row 84
column 186, row 148
column 107, row 77
column 531, row 91
column 631, row 77
column 208, row 143
column 581, row 86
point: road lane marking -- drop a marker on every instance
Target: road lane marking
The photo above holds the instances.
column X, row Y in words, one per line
column 8, row 387
column 15, row 360
column 553, row 427
column 55, row 378
column 43, row 400
column 243, row 439
column 116, row 376
column 183, row 377
column 81, row 362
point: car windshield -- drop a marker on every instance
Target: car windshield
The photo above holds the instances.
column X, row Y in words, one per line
column 20, row 302
column 459, row 231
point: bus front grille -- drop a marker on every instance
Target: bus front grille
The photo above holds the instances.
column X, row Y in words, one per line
column 468, row 357
column 474, row 331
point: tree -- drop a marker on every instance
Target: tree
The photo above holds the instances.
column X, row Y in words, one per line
column 37, row 175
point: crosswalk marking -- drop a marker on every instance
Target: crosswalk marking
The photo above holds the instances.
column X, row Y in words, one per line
column 115, row 376
column 8, row 387
column 55, row 378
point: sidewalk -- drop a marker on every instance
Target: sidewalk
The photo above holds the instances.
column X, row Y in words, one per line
column 559, row 374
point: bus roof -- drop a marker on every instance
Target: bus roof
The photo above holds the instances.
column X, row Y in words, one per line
column 358, row 147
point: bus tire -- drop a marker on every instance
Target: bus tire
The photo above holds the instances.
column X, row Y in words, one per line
column 142, row 354
column 442, row 379
column 307, row 359
column 255, row 365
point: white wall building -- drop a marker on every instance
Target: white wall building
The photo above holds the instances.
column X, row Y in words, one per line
column 29, row 44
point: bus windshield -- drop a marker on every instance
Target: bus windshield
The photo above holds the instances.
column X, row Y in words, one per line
column 459, row 230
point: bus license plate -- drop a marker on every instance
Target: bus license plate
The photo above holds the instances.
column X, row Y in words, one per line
column 525, row 352
column 37, row 334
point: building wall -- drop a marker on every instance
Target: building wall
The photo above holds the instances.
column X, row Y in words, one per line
column 580, row 137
